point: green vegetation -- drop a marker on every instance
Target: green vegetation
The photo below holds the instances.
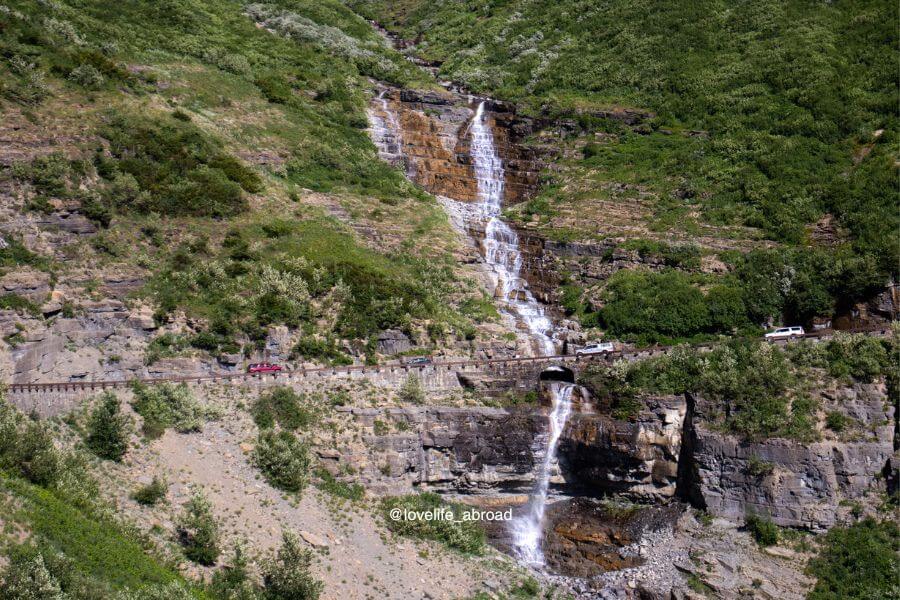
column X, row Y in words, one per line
column 198, row 532
column 152, row 493
column 858, row 561
column 283, row 459
column 750, row 388
column 297, row 273
column 785, row 90
column 108, row 429
column 763, row 530
column 75, row 545
column 411, row 392
column 19, row 303
column 284, row 407
column 171, row 167
column 168, row 405
column 767, row 115
column 287, row 575
column 341, row 489
column 464, row 535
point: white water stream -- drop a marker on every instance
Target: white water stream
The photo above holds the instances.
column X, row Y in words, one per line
column 504, row 259
column 501, row 244
column 527, row 530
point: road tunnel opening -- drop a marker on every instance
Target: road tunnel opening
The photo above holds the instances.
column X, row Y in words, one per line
column 558, row 373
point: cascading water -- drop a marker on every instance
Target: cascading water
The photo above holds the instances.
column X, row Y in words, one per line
column 527, row 530
column 503, row 256
column 385, row 131
column 501, row 244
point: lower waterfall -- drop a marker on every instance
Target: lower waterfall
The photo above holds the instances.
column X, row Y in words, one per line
column 527, row 530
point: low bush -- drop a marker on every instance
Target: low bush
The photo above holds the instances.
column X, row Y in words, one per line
column 198, row 532
column 763, row 530
column 283, row 459
column 108, row 429
column 152, row 493
column 836, row 421
column 284, row 407
column 411, row 391
column 179, row 170
column 857, row 562
column 341, row 489
column 326, row 350
column 167, row 405
column 465, row 536
column 233, row 581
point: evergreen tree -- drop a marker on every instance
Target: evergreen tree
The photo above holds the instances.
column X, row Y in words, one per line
column 108, row 429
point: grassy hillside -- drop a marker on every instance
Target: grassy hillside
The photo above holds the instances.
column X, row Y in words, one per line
column 764, row 117
column 214, row 153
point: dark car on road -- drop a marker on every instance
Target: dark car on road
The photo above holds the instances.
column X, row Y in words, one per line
column 418, row 360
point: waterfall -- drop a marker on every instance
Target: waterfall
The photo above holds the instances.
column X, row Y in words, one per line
column 501, row 244
column 527, row 530
column 384, row 129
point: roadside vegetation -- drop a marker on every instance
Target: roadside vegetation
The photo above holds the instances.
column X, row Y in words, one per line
column 751, row 388
column 465, row 536
column 857, row 561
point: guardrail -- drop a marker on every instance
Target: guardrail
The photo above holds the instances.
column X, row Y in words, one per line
column 288, row 375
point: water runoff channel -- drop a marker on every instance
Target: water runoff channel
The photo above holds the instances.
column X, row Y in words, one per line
column 517, row 304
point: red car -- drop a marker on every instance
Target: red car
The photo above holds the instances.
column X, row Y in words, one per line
column 264, row 368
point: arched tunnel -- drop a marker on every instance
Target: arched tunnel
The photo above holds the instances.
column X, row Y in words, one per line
column 557, row 373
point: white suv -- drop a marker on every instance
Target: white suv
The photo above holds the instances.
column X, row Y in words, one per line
column 784, row 333
column 596, row 348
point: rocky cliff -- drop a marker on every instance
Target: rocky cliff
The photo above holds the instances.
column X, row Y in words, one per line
column 669, row 449
column 795, row 484
column 428, row 133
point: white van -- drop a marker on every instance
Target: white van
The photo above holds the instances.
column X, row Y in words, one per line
column 784, row 333
column 596, row 348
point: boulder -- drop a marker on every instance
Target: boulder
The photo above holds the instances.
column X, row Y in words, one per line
column 393, row 341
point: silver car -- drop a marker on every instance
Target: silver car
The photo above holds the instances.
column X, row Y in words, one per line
column 596, row 348
column 785, row 333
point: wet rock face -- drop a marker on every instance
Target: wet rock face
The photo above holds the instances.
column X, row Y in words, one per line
column 429, row 134
column 799, row 485
column 638, row 458
column 585, row 537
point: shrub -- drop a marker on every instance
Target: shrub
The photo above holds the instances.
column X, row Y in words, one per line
column 180, row 170
column 341, row 489
column 411, row 392
column 287, row 576
column 198, row 532
column 168, row 591
column 168, row 405
column 233, row 581
column 28, row 578
column 108, row 429
column 654, row 306
column 836, row 421
column 320, row 349
column 858, row 562
column 758, row 467
column 283, row 459
column 152, row 493
column 87, row 77
column 763, row 530
column 465, row 536
column 859, row 356
column 35, row 455
column 283, row 406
